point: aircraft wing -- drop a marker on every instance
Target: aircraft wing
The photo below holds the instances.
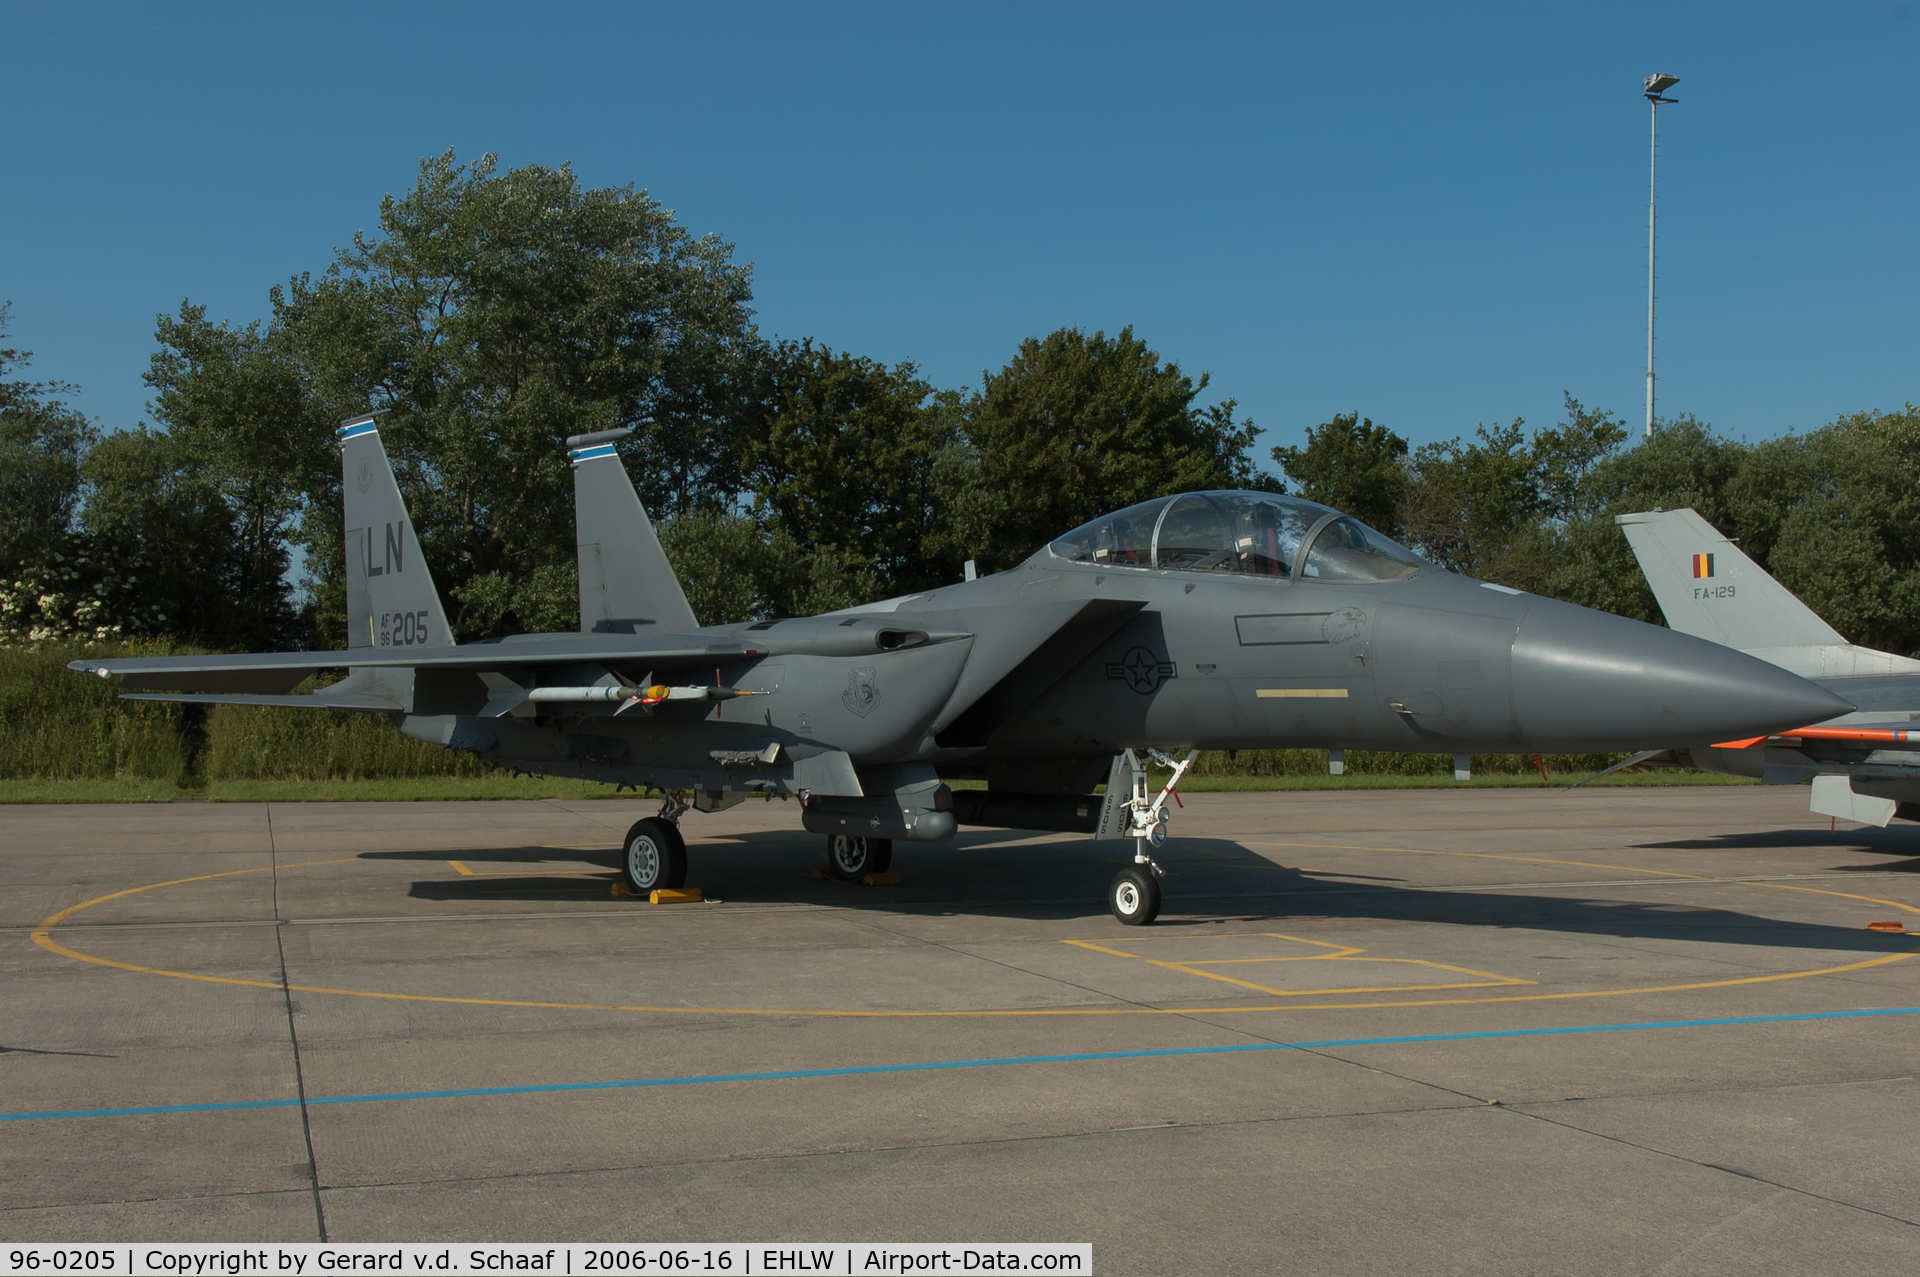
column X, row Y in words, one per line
column 265, row 678
column 177, row 671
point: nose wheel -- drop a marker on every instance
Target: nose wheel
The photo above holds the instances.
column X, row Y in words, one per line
column 1134, row 895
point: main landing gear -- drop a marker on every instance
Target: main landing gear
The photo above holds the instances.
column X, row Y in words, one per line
column 655, row 853
column 852, row 857
column 1134, row 893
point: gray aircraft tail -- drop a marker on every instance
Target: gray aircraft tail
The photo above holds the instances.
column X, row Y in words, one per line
column 391, row 599
column 626, row 584
column 1707, row 587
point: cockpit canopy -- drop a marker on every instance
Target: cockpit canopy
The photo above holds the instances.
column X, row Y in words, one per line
column 1246, row 533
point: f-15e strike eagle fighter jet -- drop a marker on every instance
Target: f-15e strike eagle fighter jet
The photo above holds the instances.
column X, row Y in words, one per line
column 1865, row 766
column 1207, row 620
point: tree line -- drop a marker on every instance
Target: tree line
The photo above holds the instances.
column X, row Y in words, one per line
column 493, row 313
column 1834, row 513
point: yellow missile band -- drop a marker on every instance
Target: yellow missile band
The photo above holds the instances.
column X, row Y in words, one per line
column 1303, row 693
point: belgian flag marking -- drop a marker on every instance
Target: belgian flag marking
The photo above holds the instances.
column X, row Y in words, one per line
column 1702, row 566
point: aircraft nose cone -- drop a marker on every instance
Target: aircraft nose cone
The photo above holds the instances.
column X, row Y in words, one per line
column 1585, row 680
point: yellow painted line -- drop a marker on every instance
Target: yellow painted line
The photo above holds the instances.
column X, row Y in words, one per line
column 1302, row 693
column 42, row 936
column 462, row 868
column 1487, row 980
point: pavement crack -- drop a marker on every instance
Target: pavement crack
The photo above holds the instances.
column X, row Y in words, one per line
column 1755, row 1176
column 293, row 1035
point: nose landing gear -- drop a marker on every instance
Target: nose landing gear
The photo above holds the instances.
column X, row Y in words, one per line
column 1134, row 894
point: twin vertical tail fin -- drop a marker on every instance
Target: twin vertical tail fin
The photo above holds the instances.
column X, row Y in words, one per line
column 626, row 584
column 391, row 599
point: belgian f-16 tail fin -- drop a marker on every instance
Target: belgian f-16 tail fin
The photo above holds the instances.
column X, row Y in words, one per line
column 626, row 584
column 1707, row 587
column 391, row 599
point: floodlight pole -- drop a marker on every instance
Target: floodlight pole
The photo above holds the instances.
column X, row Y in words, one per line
column 1655, row 86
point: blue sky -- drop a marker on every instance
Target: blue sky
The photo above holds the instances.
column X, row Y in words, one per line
column 1433, row 214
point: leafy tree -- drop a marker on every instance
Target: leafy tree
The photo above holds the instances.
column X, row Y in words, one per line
column 49, row 586
column 1352, row 465
column 42, row 442
column 1499, row 507
column 1835, row 515
column 734, row 567
column 1078, row 424
column 243, row 430
column 1565, row 457
column 843, row 459
column 1684, row 464
column 171, row 552
column 1472, row 507
column 492, row 314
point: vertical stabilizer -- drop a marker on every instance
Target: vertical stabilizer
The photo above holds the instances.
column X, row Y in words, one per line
column 626, row 584
column 391, row 599
column 1709, row 588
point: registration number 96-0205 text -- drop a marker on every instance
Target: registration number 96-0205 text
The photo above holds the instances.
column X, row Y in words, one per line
column 403, row 629
column 62, row 1261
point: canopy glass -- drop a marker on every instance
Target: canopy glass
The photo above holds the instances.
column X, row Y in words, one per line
column 1245, row 533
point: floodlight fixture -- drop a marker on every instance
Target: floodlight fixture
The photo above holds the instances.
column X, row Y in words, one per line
column 1658, row 84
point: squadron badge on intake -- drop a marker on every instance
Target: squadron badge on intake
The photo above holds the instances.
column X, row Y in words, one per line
column 861, row 695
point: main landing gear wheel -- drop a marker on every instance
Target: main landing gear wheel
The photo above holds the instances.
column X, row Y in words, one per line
column 655, row 856
column 1134, row 895
column 852, row 857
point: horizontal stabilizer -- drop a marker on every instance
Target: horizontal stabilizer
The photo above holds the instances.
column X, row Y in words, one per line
column 314, row 701
column 382, row 690
column 246, row 682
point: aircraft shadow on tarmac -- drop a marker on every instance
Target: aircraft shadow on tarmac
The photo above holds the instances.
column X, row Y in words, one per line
column 1886, row 842
column 1210, row 881
column 1866, row 842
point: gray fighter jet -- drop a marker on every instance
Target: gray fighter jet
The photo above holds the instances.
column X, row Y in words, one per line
column 1864, row 766
column 1207, row 620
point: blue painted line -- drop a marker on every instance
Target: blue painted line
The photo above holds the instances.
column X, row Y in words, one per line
column 356, row 429
column 925, row 1066
column 589, row 454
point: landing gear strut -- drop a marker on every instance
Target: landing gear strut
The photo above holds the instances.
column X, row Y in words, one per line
column 1134, row 893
